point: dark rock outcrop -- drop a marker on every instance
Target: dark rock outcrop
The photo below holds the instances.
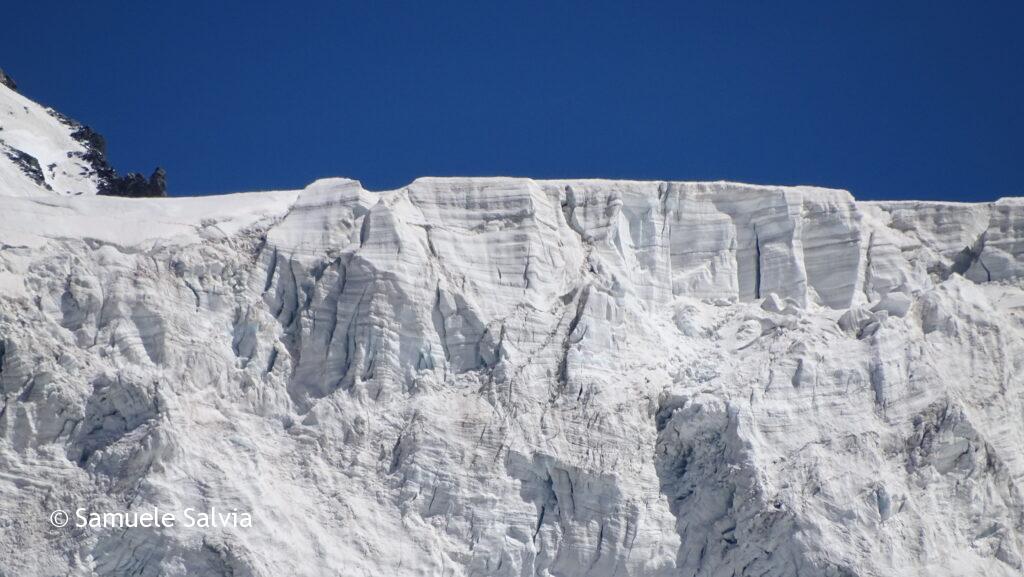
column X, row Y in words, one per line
column 93, row 161
column 135, row 185
column 7, row 80
column 26, row 162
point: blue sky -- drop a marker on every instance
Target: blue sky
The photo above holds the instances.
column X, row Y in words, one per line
column 887, row 99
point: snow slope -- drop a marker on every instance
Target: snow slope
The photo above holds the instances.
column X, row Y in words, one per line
column 512, row 377
column 43, row 152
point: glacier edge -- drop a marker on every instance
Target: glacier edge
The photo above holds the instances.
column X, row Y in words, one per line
column 508, row 376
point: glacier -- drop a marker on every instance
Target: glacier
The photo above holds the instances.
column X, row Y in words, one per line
column 505, row 376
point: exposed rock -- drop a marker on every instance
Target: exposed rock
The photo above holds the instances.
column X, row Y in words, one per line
column 71, row 156
column 134, row 185
column 7, row 81
column 28, row 164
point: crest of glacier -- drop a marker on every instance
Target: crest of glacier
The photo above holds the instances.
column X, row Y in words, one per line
column 506, row 377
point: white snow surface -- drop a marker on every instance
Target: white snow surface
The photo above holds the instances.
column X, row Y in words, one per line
column 514, row 377
column 39, row 132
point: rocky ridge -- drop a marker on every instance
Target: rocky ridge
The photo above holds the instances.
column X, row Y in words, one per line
column 50, row 152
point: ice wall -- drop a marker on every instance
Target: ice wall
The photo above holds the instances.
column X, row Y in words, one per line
column 502, row 376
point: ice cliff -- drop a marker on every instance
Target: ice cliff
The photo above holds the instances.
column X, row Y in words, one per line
column 508, row 377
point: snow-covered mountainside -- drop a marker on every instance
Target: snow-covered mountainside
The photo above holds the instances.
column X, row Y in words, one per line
column 42, row 151
column 510, row 377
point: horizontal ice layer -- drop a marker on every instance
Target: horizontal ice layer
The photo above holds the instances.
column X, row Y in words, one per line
column 706, row 240
column 34, row 221
column 723, row 240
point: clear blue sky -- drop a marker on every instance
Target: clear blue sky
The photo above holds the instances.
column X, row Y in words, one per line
column 887, row 99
